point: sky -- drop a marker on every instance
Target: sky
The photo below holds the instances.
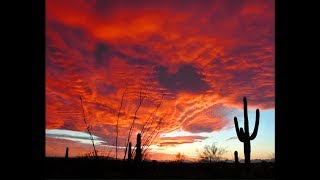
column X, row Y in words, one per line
column 194, row 60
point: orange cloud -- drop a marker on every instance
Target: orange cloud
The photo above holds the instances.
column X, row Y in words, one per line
column 171, row 141
column 204, row 56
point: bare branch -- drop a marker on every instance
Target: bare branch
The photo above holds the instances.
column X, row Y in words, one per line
column 159, row 122
column 88, row 129
column 133, row 122
column 211, row 153
column 117, row 127
column 151, row 115
column 150, row 140
column 109, row 153
column 179, row 158
column 143, row 132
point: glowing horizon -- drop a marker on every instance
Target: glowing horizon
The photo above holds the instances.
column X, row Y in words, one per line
column 205, row 56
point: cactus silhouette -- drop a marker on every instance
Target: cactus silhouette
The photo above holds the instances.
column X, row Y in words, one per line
column 244, row 136
column 236, row 159
column 138, row 156
column 129, row 153
column 67, row 153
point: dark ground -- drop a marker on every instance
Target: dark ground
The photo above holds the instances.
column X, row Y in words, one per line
column 90, row 168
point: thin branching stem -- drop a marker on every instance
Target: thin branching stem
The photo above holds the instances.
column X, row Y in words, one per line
column 88, row 128
column 133, row 121
column 117, row 127
column 151, row 137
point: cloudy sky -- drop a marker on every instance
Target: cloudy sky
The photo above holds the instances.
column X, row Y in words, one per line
column 196, row 59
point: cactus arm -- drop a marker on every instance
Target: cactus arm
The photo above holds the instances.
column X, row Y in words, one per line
column 239, row 134
column 255, row 131
column 236, row 125
column 246, row 123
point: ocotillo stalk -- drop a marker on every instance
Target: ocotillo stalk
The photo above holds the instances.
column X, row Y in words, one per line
column 67, row 153
column 133, row 122
column 117, row 127
column 129, row 153
column 138, row 156
column 88, row 129
column 244, row 136
column 236, row 159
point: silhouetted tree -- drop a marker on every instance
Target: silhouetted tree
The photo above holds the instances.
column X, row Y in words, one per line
column 244, row 136
column 145, row 156
column 180, row 158
column 272, row 157
column 211, row 153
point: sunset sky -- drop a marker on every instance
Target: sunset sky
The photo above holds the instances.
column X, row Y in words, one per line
column 204, row 55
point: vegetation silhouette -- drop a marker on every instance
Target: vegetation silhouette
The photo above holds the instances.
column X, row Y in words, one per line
column 211, row 154
column 244, row 136
column 83, row 168
column 138, row 156
column 179, row 158
column 129, row 153
column 236, row 159
column 67, row 153
column 88, row 127
column 137, row 166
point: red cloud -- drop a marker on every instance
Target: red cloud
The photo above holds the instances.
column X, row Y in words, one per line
column 210, row 55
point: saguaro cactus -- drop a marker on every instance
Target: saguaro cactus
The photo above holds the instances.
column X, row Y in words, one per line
column 244, row 136
column 67, row 153
column 129, row 153
column 236, row 159
column 138, row 156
